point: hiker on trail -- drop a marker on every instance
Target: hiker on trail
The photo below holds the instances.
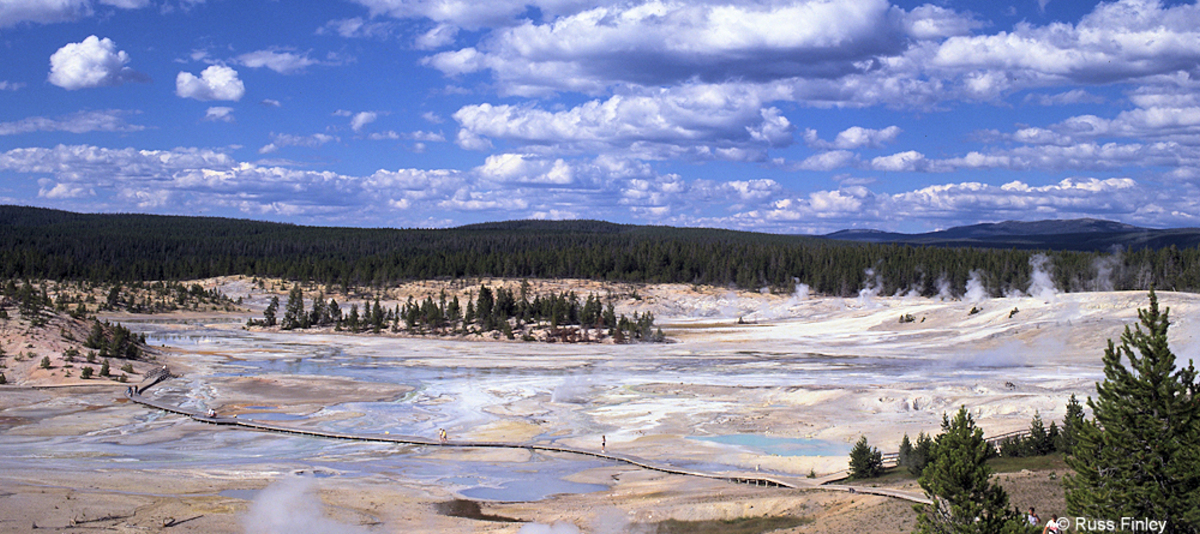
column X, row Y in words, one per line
column 442, row 435
column 1051, row 525
column 1033, row 518
column 212, row 413
column 603, row 443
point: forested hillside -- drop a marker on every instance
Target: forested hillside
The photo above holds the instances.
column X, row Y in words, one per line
column 39, row 243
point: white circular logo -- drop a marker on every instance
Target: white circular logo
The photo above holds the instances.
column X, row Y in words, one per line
column 1064, row 523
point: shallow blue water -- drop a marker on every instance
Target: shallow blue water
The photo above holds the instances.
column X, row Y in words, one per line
column 781, row 446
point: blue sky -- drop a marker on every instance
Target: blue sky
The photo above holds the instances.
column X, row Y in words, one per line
column 777, row 116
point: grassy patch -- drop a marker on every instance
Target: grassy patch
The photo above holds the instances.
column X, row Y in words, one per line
column 1032, row 463
column 742, row 525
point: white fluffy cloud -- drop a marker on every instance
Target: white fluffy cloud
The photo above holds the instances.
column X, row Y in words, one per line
column 853, row 138
column 217, row 82
column 698, row 121
column 219, row 113
column 283, row 62
column 93, row 62
column 361, row 119
column 656, row 43
column 1120, row 40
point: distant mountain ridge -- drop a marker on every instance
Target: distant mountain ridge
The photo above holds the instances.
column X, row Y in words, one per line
column 1069, row 234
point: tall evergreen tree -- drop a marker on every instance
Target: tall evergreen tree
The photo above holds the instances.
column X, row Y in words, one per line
column 1038, row 442
column 272, row 309
column 904, row 459
column 293, row 314
column 865, row 461
column 921, row 454
column 1139, row 456
column 1069, row 436
column 958, row 482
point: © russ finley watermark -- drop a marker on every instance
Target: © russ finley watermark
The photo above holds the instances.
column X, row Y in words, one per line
column 1124, row 524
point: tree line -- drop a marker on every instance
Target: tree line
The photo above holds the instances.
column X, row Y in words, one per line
column 492, row 310
column 47, row 244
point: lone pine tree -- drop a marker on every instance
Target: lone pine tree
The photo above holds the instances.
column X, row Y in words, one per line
column 865, row 461
column 965, row 501
column 1139, row 456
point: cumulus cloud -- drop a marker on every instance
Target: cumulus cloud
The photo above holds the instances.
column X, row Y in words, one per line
column 283, row 62
column 932, row 22
column 217, row 82
column 665, row 43
column 853, row 138
column 361, row 119
column 907, row 161
column 219, row 113
column 111, row 120
column 524, row 168
column 699, row 122
column 1120, row 40
column 93, row 62
column 828, row 161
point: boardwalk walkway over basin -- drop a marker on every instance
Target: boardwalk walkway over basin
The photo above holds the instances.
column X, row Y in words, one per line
column 754, row 479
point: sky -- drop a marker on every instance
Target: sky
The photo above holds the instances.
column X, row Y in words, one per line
column 803, row 116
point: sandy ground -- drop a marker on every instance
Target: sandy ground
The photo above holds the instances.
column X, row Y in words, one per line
column 829, row 369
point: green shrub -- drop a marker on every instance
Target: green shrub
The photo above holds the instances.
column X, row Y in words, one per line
column 86, row 373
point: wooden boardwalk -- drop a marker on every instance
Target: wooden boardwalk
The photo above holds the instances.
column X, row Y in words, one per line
column 753, row 479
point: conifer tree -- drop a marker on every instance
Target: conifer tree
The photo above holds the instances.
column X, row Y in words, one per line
column 1139, row 456
column 904, row 459
column 958, row 482
column 865, row 461
column 921, row 455
column 1070, row 428
column 293, row 314
column 1038, row 442
column 269, row 316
